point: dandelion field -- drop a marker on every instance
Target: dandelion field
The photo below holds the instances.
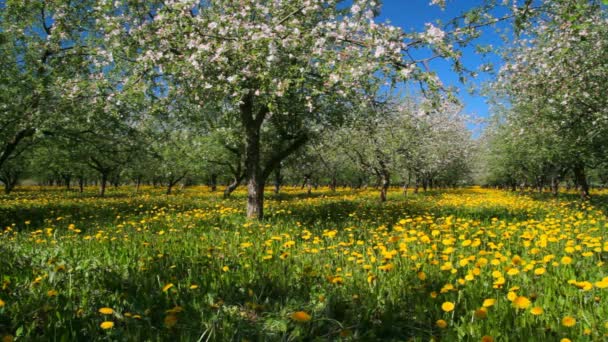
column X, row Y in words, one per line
column 468, row 264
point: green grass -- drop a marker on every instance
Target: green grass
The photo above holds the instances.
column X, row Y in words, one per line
column 329, row 258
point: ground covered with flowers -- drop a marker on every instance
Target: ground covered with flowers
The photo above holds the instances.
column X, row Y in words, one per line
column 470, row 264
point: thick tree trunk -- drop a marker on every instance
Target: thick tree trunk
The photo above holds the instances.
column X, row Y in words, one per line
column 253, row 169
column 10, row 180
column 7, row 188
column 277, row 180
column 581, row 180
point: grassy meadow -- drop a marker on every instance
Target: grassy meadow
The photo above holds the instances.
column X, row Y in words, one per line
column 470, row 264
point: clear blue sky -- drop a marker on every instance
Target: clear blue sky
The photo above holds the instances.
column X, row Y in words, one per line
column 413, row 14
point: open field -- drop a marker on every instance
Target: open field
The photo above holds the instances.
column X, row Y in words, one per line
column 469, row 264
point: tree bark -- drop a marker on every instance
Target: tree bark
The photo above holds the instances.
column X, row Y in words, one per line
column 10, row 147
column 253, row 169
column 137, row 184
column 334, row 183
column 555, row 186
column 308, row 184
column 232, row 186
column 213, row 182
column 385, row 184
column 277, row 180
column 407, row 185
column 174, row 180
column 581, row 180
column 102, row 183
column 66, row 180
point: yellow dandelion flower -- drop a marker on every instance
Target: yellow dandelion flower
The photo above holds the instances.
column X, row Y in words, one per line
column 537, row 310
column 441, row 323
column 488, row 302
column 107, row 325
column 447, row 306
column 106, row 311
column 300, row 316
column 193, row 287
column 511, row 296
column 167, row 287
column 521, row 302
column 568, row 321
column 2, row 303
column 52, row 293
column 565, row 339
column 386, row 267
column 566, row 260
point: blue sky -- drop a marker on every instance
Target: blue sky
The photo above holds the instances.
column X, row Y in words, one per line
column 413, row 14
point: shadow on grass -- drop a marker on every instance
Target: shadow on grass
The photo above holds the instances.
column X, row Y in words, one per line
column 344, row 213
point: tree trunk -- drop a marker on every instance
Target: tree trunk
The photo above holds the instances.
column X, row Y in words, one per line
column 277, row 180
column 137, row 184
column 555, row 186
column 169, row 188
column 66, row 180
column 81, row 184
column 10, row 146
column 385, row 183
column 231, row 187
column 308, row 183
column 213, row 182
column 253, row 169
column 334, row 183
column 102, row 184
column 581, row 180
